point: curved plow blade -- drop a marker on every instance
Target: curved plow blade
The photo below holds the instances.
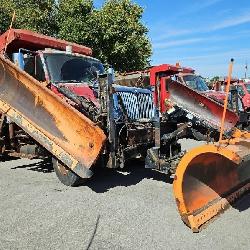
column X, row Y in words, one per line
column 210, row 178
column 201, row 106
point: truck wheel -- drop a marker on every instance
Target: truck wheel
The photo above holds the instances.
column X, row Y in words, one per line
column 65, row 175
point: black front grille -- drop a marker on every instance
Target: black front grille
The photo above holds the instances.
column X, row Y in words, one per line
column 138, row 105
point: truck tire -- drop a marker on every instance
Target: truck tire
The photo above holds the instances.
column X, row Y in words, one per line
column 65, row 175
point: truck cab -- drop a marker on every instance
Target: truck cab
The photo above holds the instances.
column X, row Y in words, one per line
column 53, row 62
column 57, row 68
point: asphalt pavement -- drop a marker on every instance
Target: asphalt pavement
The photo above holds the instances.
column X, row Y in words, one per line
column 130, row 209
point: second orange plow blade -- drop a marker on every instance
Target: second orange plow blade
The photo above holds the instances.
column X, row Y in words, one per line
column 211, row 177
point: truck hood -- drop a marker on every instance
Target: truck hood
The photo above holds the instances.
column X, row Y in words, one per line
column 82, row 89
column 217, row 95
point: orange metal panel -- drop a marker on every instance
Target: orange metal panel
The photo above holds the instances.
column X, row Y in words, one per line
column 62, row 130
column 211, row 177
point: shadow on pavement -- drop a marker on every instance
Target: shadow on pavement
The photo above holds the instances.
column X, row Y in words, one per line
column 105, row 179
column 7, row 158
column 243, row 203
column 43, row 166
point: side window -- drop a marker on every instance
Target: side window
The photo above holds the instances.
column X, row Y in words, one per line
column 29, row 65
column 192, row 84
column 179, row 79
column 199, row 86
column 240, row 91
column 33, row 66
column 167, row 82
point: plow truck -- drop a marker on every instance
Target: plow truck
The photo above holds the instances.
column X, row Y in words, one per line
column 187, row 77
column 58, row 102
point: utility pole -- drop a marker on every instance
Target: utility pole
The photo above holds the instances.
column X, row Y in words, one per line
column 246, row 70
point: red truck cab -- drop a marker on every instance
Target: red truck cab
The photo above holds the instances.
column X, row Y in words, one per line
column 53, row 62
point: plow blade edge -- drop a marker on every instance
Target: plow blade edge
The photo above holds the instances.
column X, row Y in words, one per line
column 201, row 106
column 63, row 131
column 210, row 178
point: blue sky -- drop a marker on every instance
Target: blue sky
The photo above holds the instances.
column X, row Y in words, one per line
column 202, row 34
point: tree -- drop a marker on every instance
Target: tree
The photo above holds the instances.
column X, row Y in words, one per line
column 115, row 32
column 74, row 20
column 6, row 12
column 215, row 79
column 34, row 15
column 123, row 40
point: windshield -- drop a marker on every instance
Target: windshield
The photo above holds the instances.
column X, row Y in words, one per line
column 248, row 87
column 71, row 68
column 195, row 82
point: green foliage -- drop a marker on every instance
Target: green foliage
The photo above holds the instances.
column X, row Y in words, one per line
column 215, row 79
column 74, row 20
column 34, row 15
column 122, row 36
column 115, row 32
column 6, row 12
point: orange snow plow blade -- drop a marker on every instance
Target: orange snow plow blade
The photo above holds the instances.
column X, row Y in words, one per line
column 49, row 120
column 211, row 177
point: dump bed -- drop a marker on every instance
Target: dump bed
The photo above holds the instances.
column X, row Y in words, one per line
column 18, row 38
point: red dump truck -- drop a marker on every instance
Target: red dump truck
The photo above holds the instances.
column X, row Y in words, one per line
column 185, row 76
column 57, row 101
